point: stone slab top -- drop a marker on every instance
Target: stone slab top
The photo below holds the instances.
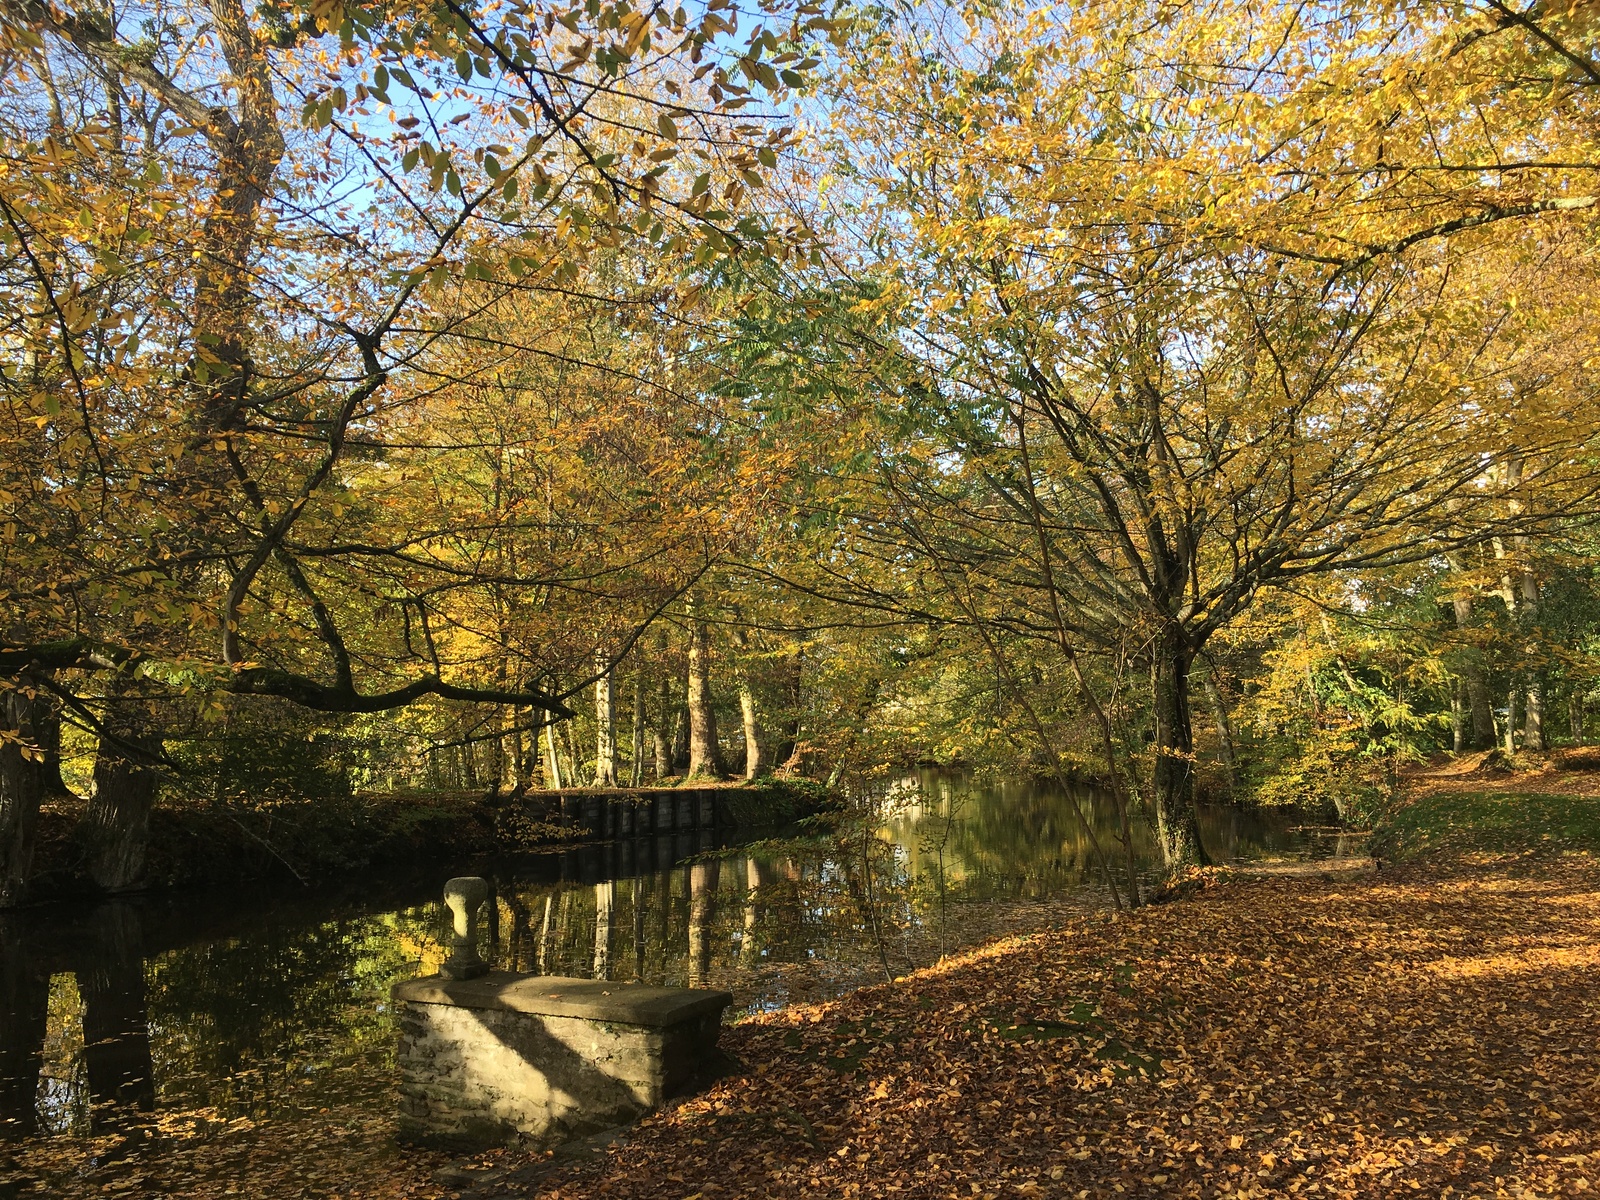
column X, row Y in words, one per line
column 560, row 996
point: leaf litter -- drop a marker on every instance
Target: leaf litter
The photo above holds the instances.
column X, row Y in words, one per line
column 1428, row 1032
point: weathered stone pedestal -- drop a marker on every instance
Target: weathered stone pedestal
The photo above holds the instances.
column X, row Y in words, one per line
column 503, row 1057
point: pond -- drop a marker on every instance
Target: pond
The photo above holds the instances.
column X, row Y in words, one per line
column 192, row 1013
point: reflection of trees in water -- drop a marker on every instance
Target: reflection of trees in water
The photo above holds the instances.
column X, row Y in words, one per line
column 63, row 1094
column 1024, row 842
column 75, row 1047
column 252, row 1025
column 24, row 1023
column 116, row 1029
column 236, row 1022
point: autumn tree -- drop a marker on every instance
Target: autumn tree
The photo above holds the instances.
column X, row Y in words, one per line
column 1112, row 406
column 232, row 239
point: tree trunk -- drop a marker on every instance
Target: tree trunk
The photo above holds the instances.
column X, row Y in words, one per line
column 787, row 748
column 552, row 759
column 1575, row 715
column 1472, row 677
column 522, row 776
column 663, row 736
column 48, row 725
column 705, row 753
column 1513, row 715
column 754, row 761
column 754, row 764
column 569, row 747
column 1177, row 826
column 1224, row 724
column 1533, row 715
column 22, row 783
column 1533, row 723
column 116, row 827
column 636, row 750
column 605, row 721
column 680, row 734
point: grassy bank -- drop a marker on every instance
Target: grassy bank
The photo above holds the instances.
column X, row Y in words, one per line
column 1444, row 822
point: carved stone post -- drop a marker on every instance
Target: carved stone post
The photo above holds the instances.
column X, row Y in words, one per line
column 464, row 895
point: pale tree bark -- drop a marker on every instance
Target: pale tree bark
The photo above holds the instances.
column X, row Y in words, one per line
column 754, row 761
column 636, row 750
column 663, row 736
column 116, row 827
column 1575, row 721
column 552, row 758
column 705, row 752
column 605, row 721
column 569, row 747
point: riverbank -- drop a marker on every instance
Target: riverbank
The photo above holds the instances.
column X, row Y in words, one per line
column 195, row 844
column 1426, row 1029
column 1480, row 805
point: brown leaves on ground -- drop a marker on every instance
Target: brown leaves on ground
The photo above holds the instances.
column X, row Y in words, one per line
column 1403, row 1034
column 1436, row 1036
column 1570, row 771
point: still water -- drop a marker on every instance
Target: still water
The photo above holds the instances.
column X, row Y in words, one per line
column 214, row 1008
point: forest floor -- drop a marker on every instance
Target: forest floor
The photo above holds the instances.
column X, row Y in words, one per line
column 1429, row 1028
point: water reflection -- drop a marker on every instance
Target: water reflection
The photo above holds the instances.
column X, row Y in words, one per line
column 216, row 1010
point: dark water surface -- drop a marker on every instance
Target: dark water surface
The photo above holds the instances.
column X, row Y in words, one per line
column 216, row 1007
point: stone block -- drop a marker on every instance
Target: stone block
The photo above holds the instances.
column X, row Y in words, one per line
column 507, row 1057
